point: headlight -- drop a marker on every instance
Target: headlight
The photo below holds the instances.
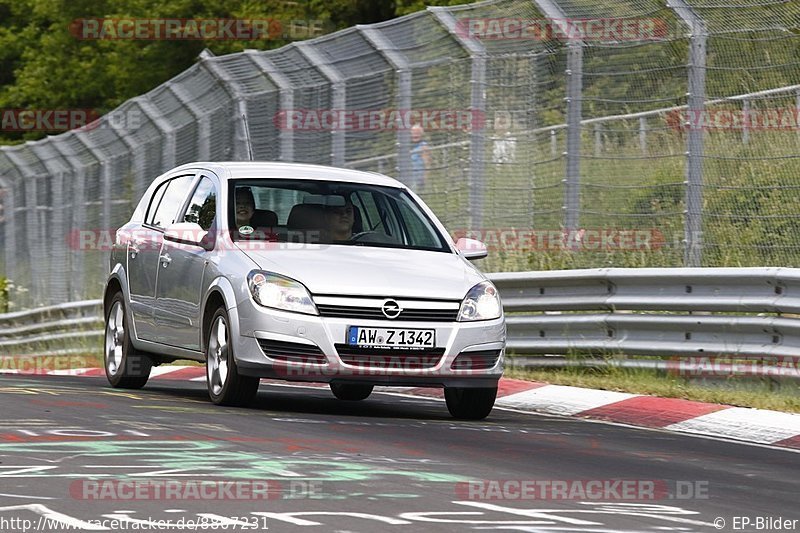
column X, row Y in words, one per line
column 482, row 303
column 279, row 292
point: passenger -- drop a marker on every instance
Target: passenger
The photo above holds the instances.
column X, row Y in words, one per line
column 249, row 225
column 245, row 206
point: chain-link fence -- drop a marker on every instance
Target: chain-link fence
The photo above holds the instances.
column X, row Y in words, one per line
column 598, row 133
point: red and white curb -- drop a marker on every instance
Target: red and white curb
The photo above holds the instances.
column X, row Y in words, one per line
column 671, row 414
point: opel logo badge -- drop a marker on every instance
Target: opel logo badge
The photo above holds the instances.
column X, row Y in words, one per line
column 391, row 309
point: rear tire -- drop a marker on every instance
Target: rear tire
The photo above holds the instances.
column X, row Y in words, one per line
column 225, row 385
column 470, row 404
column 351, row 392
column 125, row 366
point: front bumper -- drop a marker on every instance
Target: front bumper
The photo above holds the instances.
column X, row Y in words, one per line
column 255, row 322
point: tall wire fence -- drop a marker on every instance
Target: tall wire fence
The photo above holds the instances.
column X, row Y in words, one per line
column 599, row 133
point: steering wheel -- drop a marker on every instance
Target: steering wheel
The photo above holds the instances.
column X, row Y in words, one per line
column 358, row 236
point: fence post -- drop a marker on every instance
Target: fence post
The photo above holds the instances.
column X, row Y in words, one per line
column 693, row 225
column 233, row 87
column 477, row 135
column 338, row 100
column 286, row 93
column 105, row 195
column 169, row 153
column 77, row 188
column 573, row 152
column 745, row 121
column 797, row 108
column 643, row 135
column 31, row 249
column 598, row 140
column 9, row 231
column 138, row 157
column 9, row 214
column 59, row 232
column 404, row 102
column 105, row 175
column 574, row 99
column 203, row 119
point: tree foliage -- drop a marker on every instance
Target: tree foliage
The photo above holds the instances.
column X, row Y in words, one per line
column 43, row 66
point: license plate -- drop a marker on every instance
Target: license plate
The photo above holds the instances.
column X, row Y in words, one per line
column 391, row 337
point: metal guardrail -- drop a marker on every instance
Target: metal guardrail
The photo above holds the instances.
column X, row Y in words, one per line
column 749, row 313
column 72, row 327
column 657, row 312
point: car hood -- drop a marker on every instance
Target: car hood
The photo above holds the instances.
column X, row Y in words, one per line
column 366, row 271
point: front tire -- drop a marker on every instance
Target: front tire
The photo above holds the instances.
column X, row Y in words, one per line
column 351, row 392
column 470, row 404
column 126, row 367
column 225, row 385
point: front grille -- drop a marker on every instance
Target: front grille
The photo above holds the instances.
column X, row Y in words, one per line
column 292, row 352
column 386, row 358
column 479, row 360
column 375, row 313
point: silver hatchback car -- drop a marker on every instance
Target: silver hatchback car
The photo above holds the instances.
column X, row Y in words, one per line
column 301, row 273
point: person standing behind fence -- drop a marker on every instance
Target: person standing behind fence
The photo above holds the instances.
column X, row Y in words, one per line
column 504, row 150
column 420, row 159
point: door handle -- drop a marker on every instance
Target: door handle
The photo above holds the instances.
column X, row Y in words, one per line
column 165, row 260
column 133, row 247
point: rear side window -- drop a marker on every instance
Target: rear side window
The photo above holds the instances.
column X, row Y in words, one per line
column 167, row 200
column 155, row 202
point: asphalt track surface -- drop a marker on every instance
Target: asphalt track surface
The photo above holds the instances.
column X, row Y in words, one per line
column 73, row 451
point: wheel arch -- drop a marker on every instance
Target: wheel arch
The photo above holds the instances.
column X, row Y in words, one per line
column 219, row 293
column 117, row 282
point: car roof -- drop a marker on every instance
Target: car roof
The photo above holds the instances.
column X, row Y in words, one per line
column 226, row 170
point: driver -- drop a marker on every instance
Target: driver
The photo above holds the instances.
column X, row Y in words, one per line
column 339, row 220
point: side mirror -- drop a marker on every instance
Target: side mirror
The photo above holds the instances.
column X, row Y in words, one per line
column 471, row 248
column 188, row 233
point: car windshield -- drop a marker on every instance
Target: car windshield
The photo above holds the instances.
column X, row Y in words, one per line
column 324, row 212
